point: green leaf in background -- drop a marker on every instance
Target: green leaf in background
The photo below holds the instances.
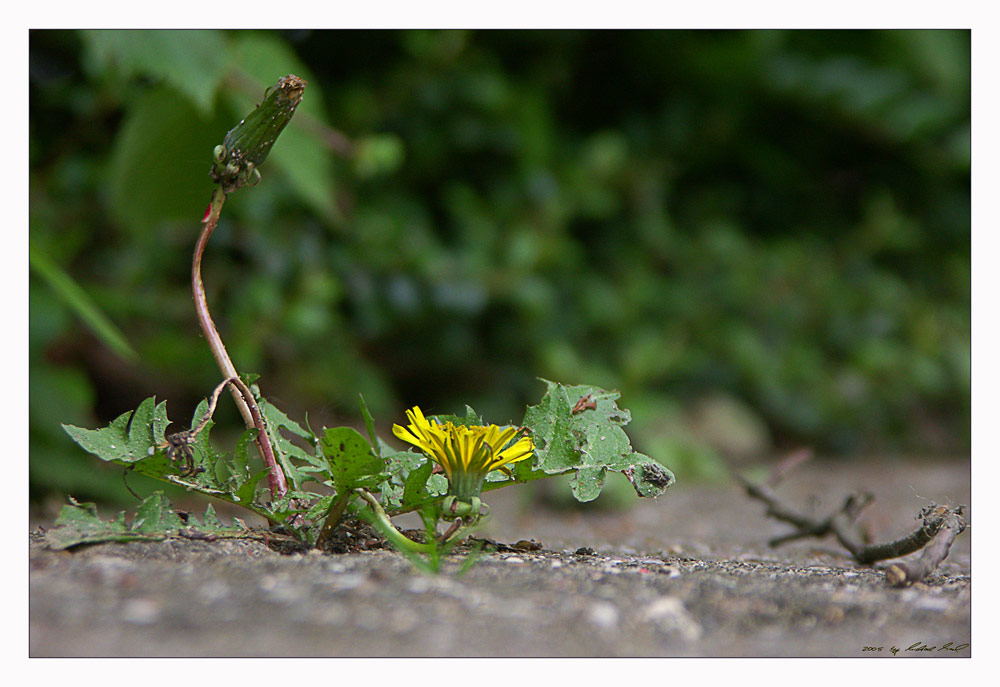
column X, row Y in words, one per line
column 351, row 461
column 381, row 154
column 160, row 163
column 300, row 153
column 193, row 62
column 82, row 305
column 155, row 519
column 579, row 428
column 131, row 437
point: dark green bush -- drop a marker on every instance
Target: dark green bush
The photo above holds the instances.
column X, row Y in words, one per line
column 760, row 237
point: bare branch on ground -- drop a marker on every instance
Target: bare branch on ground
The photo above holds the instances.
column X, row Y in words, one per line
column 939, row 528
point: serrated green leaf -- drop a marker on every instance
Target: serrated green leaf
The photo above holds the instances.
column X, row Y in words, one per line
column 320, row 508
column 352, row 463
column 399, row 488
column 134, row 440
column 131, row 437
column 76, row 513
column 210, row 524
column 211, row 519
column 288, row 506
column 79, row 523
column 248, row 490
column 234, row 471
column 587, row 483
column 279, row 419
column 579, row 429
column 415, row 485
column 524, row 472
column 275, row 420
column 140, row 427
column 241, row 455
column 399, row 464
column 156, row 514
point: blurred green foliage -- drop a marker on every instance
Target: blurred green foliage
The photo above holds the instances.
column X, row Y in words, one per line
column 762, row 238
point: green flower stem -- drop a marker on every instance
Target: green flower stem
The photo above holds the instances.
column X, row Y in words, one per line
column 241, row 394
column 397, row 538
column 466, row 485
column 332, row 518
column 488, row 486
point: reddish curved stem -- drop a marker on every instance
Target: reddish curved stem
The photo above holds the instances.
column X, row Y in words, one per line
column 241, row 394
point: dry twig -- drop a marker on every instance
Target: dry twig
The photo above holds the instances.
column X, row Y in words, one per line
column 940, row 526
column 951, row 524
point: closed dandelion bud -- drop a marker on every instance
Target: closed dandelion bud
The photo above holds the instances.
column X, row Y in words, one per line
column 247, row 144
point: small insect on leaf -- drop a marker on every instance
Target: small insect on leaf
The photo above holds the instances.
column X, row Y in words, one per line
column 179, row 446
column 585, row 403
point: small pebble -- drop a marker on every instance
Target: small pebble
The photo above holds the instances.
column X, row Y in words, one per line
column 348, row 581
column 602, row 614
column 527, row 545
column 670, row 616
column 141, row 612
column 932, row 604
column 833, row 615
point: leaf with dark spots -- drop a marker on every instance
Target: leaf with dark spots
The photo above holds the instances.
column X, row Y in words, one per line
column 351, row 461
column 578, row 429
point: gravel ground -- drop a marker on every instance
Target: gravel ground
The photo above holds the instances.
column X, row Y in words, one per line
column 687, row 575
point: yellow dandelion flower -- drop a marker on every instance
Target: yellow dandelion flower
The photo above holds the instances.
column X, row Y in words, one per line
column 466, row 453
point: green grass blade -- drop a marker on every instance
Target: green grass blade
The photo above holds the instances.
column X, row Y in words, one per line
column 82, row 305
